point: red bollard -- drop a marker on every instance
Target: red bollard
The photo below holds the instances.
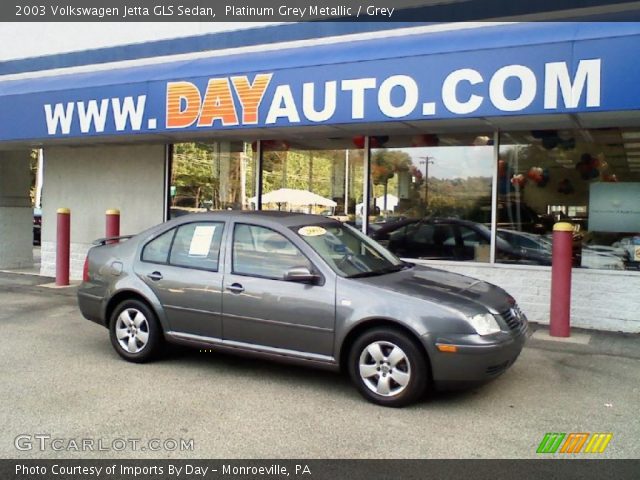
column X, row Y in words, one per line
column 63, row 250
column 112, row 226
column 562, row 252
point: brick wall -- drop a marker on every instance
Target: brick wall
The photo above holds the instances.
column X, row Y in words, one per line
column 76, row 264
column 601, row 299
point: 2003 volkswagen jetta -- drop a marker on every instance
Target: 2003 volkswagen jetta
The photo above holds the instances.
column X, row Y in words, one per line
column 305, row 289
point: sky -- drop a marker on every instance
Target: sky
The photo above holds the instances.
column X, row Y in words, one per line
column 29, row 39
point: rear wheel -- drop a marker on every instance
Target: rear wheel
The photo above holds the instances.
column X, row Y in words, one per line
column 135, row 332
column 388, row 368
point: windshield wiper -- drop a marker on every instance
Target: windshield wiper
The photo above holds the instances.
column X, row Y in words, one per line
column 382, row 271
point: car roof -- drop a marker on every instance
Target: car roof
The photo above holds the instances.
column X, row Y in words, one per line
column 391, row 226
column 286, row 219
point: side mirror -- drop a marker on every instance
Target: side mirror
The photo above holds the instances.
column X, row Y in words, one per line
column 301, row 275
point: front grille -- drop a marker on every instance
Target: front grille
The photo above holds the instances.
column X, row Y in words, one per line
column 513, row 317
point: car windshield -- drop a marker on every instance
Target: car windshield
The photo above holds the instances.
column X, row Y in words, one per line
column 348, row 252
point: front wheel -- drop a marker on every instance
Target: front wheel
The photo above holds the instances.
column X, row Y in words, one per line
column 388, row 368
column 135, row 332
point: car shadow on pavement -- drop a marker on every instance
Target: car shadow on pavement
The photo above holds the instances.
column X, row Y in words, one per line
column 288, row 374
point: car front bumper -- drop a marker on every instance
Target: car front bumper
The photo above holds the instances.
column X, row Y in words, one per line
column 476, row 360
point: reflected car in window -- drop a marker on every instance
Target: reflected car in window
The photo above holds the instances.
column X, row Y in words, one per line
column 303, row 289
column 455, row 239
column 513, row 215
column 37, row 226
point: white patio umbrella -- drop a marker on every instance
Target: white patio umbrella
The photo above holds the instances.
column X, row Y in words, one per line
column 295, row 197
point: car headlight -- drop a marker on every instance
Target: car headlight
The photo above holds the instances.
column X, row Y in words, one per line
column 484, row 323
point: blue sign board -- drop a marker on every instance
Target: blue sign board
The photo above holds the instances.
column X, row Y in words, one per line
column 582, row 75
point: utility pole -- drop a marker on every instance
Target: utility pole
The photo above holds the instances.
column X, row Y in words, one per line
column 426, row 161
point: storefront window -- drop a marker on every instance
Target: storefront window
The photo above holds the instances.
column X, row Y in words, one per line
column 425, row 189
column 431, row 194
column 211, row 176
column 323, row 176
column 590, row 178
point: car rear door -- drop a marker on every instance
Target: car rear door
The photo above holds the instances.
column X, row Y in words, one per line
column 181, row 266
column 263, row 311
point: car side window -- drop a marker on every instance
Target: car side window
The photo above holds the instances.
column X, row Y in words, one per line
column 471, row 238
column 262, row 252
column 197, row 245
column 421, row 233
column 157, row 250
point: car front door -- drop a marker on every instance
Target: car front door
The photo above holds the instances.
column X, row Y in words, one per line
column 263, row 311
column 181, row 267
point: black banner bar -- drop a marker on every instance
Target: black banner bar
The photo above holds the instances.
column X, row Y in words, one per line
column 547, row 469
column 306, row 10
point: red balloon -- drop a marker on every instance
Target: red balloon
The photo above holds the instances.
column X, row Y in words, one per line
column 425, row 140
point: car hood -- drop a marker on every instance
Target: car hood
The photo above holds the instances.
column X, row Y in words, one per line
column 451, row 290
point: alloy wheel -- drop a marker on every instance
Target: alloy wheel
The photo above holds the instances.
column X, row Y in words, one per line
column 384, row 368
column 132, row 330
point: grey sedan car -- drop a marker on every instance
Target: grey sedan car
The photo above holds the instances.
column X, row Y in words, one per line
column 305, row 289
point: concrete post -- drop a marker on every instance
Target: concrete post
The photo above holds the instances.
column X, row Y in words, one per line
column 16, row 213
column 561, row 280
column 63, row 243
column 112, row 223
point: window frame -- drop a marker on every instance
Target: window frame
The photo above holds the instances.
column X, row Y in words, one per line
column 313, row 267
column 146, row 244
column 175, row 229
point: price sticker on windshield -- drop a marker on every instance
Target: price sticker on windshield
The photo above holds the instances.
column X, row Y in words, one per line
column 312, row 231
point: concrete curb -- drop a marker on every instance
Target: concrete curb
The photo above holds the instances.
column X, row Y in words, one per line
column 587, row 342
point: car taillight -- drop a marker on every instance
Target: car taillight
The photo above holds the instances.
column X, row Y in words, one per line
column 85, row 270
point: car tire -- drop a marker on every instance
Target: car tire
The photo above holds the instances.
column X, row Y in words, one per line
column 388, row 367
column 135, row 331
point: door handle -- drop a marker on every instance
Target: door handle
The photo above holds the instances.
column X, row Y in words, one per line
column 155, row 276
column 235, row 288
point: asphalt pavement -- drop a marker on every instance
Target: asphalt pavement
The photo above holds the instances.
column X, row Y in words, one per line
column 62, row 385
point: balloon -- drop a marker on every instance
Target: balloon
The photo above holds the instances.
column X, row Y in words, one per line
column 425, row 140
column 378, row 142
column 518, row 180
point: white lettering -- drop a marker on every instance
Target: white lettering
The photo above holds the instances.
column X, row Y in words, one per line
column 449, row 91
column 90, row 115
column 59, row 116
column 410, row 88
column 283, row 106
column 528, row 87
column 308, row 106
column 557, row 75
column 128, row 112
column 357, row 88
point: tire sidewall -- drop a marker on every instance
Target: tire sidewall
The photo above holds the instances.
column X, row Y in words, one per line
column 155, row 334
column 419, row 367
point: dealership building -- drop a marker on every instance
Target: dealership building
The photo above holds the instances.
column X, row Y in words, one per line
column 488, row 133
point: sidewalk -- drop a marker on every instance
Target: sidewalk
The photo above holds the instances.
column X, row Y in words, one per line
column 32, row 283
column 587, row 342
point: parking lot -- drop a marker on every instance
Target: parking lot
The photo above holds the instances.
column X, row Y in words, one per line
column 60, row 377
